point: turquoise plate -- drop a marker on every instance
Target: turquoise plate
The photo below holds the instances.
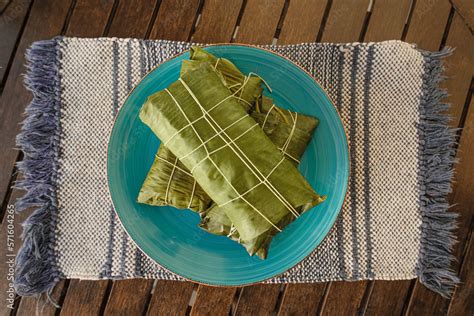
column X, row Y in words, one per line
column 170, row 236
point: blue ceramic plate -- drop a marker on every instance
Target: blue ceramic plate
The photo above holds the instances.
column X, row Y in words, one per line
column 170, row 236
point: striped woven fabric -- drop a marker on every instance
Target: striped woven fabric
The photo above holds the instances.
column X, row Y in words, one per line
column 394, row 224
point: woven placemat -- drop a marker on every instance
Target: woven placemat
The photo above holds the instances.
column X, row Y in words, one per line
column 394, row 224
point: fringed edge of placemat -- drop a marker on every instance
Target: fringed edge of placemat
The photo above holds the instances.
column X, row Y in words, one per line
column 36, row 269
column 437, row 159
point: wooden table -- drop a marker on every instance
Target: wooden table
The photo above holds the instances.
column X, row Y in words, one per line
column 432, row 24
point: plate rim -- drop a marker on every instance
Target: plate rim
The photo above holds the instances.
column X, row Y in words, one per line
column 346, row 183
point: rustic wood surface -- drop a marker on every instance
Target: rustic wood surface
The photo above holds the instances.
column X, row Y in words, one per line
column 431, row 24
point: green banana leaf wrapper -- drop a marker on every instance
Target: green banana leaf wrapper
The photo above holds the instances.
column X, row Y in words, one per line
column 169, row 182
column 290, row 132
column 198, row 119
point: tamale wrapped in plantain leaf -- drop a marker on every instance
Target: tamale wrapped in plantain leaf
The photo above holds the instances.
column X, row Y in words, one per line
column 290, row 132
column 169, row 182
column 198, row 119
column 246, row 89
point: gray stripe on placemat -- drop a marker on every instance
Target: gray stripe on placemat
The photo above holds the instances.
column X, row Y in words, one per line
column 352, row 141
column 108, row 263
column 148, row 54
column 367, row 79
column 107, row 269
column 115, row 78
column 151, row 55
column 123, row 252
column 157, row 52
column 340, row 221
column 331, row 68
column 129, row 66
column 142, row 61
column 340, row 67
column 143, row 71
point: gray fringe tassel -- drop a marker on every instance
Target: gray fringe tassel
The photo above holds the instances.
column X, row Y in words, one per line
column 36, row 270
column 437, row 158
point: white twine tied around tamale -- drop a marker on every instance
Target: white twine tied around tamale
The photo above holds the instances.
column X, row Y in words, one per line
column 217, row 61
column 232, row 141
column 212, row 161
column 252, row 188
column 269, row 185
column 259, row 175
column 192, row 194
column 284, row 148
column 246, row 79
column 175, row 163
column 232, row 230
column 189, row 174
column 233, row 95
column 176, row 166
column 169, row 181
column 212, row 137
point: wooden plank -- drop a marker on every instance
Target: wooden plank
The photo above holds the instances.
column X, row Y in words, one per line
column 302, row 21
column 259, row 21
column 46, row 20
column 4, row 4
column 460, row 66
column 428, row 23
column 170, row 298
column 465, row 8
column 426, row 30
column 84, row 297
column 462, row 301
column 349, row 301
column 218, row 21
column 388, row 297
column 42, row 307
column 213, row 300
column 11, row 21
column 89, row 18
column 258, row 299
column 387, row 20
column 132, row 18
column 345, row 21
column 129, row 297
column 346, row 298
column 299, row 299
column 175, row 19
column 460, row 70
